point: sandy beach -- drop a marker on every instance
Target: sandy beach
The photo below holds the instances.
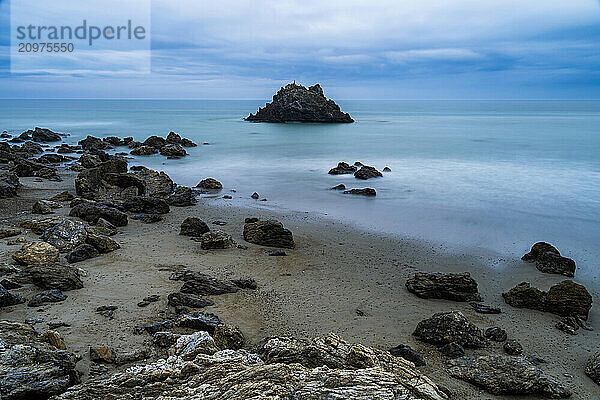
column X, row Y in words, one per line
column 337, row 279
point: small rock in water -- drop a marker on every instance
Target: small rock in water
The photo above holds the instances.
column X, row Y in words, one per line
column 513, row 348
column 548, row 259
column 342, row 169
column 276, row 253
column 341, row 186
column 387, row 169
column 408, row 353
column 366, row 172
column 255, row 196
column 228, row 197
column 210, row 184
column 483, row 309
column 362, row 192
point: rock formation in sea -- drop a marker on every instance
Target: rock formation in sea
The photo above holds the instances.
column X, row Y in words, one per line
column 296, row 103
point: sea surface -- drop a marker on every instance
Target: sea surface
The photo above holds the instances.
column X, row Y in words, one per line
column 491, row 175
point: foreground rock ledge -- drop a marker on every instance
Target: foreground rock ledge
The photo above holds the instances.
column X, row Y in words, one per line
column 296, row 103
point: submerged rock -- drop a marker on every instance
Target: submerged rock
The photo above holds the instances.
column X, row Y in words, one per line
column 296, row 103
column 362, row 192
column 268, row 233
column 502, row 375
column 457, row 287
column 342, row 168
column 144, row 151
column 548, row 259
column 341, row 186
column 448, row 327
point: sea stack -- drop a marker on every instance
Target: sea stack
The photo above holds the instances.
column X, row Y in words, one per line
column 296, row 103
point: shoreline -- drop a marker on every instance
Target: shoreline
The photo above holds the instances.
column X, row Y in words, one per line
column 317, row 288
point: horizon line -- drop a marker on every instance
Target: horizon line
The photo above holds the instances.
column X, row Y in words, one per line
column 247, row 99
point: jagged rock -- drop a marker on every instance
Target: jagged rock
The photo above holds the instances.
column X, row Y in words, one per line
column 105, row 228
column 194, row 227
column 210, row 184
column 452, row 350
column 525, row 296
column 153, row 327
column 245, row 283
column 115, row 141
column 174, row 138
column 8, row 284
column 88, row 160
column 592, row 367
column 67, row 149
column 483, row 309
column 41, row 135
column 146, row 205
column 102, row 354
column 183, row 197
column 39, row 226
column 157, row 184
column 496, row 334
column 568, row 325
column 341, row 186
column 503, row 375
column 268, row 233
column 53, row 338
column 173, row 150
column 457, row 287
column 155, row 141
column 9, row 299
column 513, row 348
column 387, row 169
column 165, row 339
column 42, row 207
column 548, row 259
column 147, row 218
column 50, row 158
column 103, row 244
column 66, row 235
column 447, row 327
column 408, row 353
column 255, row 196
column 36, row 253
column 81, row 253
column 216, row 240
column 296, row 103
column 47, row 296
column 55, row 276
column 92, row 212
column 9, row 232
column 228, row 337
column 189, row 346
column 188, row 300
column 91, row 143
column 9, row 183
column 30, row 367
column 109, row 181
column 276, row 253
column 143, row 151
column 362, row 192
column 31, row 148
column 203, row 285
column 199, row 320
column 366, row 172
column 342, row 168
column 48, row 173
column 62, row 196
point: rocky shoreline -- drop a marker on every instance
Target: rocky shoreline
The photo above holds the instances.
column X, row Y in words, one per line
column 112, row 276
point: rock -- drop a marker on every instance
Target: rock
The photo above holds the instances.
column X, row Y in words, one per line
column 189, row 346
column 42, row 207
column 47, row 296
column 173, row 150
column 9, row 183
column 9, row 232
column 174, row 138
column 339, row 187
column 8, row 284
column 199, row 320
column 107, row 311
column 408, row 353
column 55, row 276
column 157, row 184
column 592, row 367
column 36, row 253
column 48, row 173
column 342, row 168
column 41, row 135
column 105, row 228
column 210, row 184
column 103, row 244
column 92, row 212
column 102, row 354
column 362, row 192
column 134, row 145
column 496, row 334
column 366, row 172
column 115, row 141
column 387, row 169
column 39, row 226
column 109, row 181
column 88, row 160
column 525, row 296
column 188, row 300
column 31, row 148
column 147, row 218
column 568, row 325
column 457, row 287
column 91, row 143
column 193, row 226
column 216, row 240
column 143, row 151
column 53, row 338
column 447, row 327
column 149, row 299
column 203, row 285
column 146, row 205
column 81, row 253
column 153, row 327
column 66, row 235
column 9, row 299
column 483, row 309
column 513, row 348
column 155, row 141
column 296, row 103
column 503, row 375
column 50, row 158
column 548, row 259
column 245, row 283
column 62, row 197
column 228, row 337
column 276, row 253
column 255, row 196
column 165, row 339
column 250, row 220
column 183, row 197
column 32, row 368
column 268, row 233
column 67, row 149
column 452, row 350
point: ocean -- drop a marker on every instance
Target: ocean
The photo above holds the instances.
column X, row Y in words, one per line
column 466, row 175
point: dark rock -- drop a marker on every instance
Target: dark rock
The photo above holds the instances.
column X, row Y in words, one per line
column 387, row 169
column 592, row 367
column 67, row 149
column 144, row 151
column 149, row 299
column 548, row 259
column 47, row 296
column 42, row 207
column 193, row 226
column 8, row 284
column 66, row 235
column 155, row 141
column 54, row 325
column 92, row 212
column 250, row 220
column 146, row 205
column 92, row 143
column 103, row 244
column 245, row 283
column 203, row 285
column 452, row 350
column 362, row 192
column 228, row 337
column 55, row 276
column 228, row 197
column 62, row 197
column 342, row 168
column 216, row 240
column 173, row 150
column 183, row 197
column 88, row 160
column 109, row 181
column 503, row 375
column 165, row 339
column 41, row 135
column 199, row 320
column 255, row 196
column 9, row 183
column 513, row 348
column 147, row 218
column 39, row 226
column 276, row 253
column 408, row 353
column 219, row 223
column 268, row 233
column 568, row 325
column 496, row 334
column 31, row 148
column 81, row 253
column 210, row 184
column 157, row 184
column 188, row 300
column 296, row 103
column 47, row 173
column 339, row 187
column 9, row 299
column 457, row 287
column 134, row 145
column 174, row 138
column 525, row 296
column 105, row 228
column 9, row 232
column 51, row 159
column 483, row 309
column 153, row 327
column 366, row 172
column 448, row 327
column 107, row 311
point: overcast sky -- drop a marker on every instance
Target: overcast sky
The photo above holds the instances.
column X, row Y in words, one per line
column 376, row 49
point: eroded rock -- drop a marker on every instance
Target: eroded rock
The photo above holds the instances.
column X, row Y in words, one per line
column 448, row 327
column 268, row 233
column 548, row 259
column 457, row 287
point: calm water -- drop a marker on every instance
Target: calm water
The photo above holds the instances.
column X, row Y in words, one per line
column 497, row 175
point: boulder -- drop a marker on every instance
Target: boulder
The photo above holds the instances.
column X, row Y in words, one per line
column 105, row 228
column 53, row 338
column 9, row 299
column 31, row 148
column 201, row 321
column 43, row 207
column 146, row 205
column 81, row 253
column 48, row 173
column 366, row 172
column 363, row 192
column 157, row 184
column 88, row 160
column 47, row 296
column 103, row 244
column 504, row 375
column 50, row 158
column 165, row 339
column 448, row 327
column 182, row 197
column 109, row 181
column 496, row 334
column 55, row 276
column 452, row 350
column 66, row 235
column 210, row 184
column 203, row 285
column 483, row 309
column 341, row 186
column 36, row 253
column 38, row 226
column 91, row 143
column 41, row 135
column 548, row 259
column 409, row 354
column 194, row 227
column 153, row 327
column 342, row 168
column 296, row 103
column 189, row 346
column 147, row 218
column 155, row 141
column 92, row 212
column 62, row 197
column 457, row 287
column 228, row 337
column 173, row 150
column 188, row 300
column 512, row 347
column 9, row 183
column 525, row 296
column 216, row 240
column 245, row 283
column 592, row 367
column 268, row 233
column 102, row 354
